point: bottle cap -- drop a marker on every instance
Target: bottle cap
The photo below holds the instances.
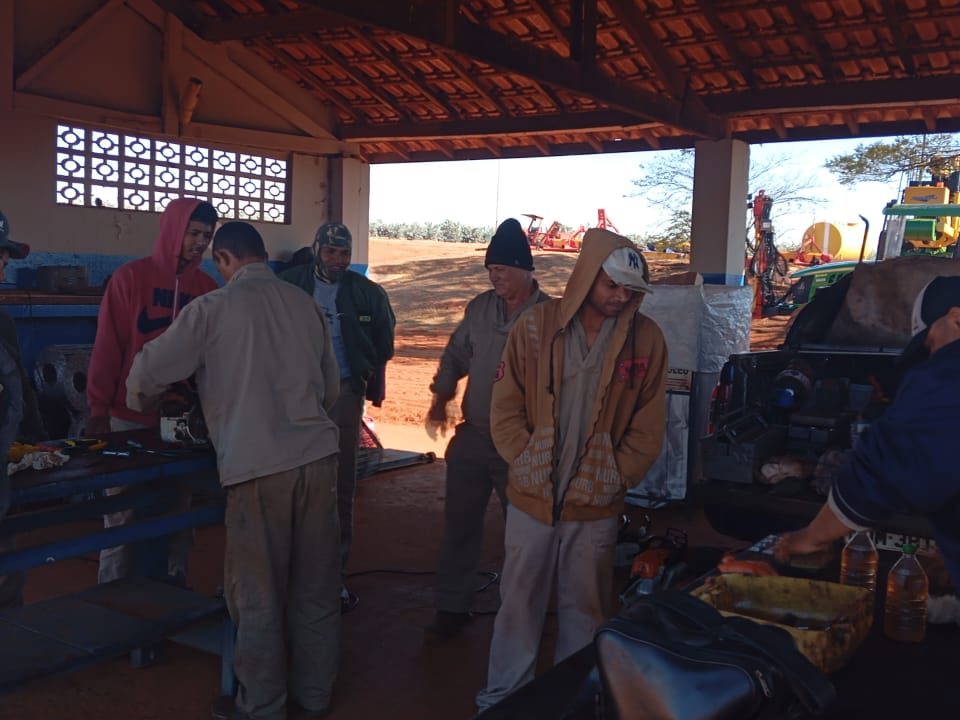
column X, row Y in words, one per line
column 909, row 549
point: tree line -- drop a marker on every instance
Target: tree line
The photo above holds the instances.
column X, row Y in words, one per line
column 446, row 231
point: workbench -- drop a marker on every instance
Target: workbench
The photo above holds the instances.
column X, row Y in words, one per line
column 132, row 615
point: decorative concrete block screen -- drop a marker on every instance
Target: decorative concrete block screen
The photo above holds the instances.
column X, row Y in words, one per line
column 103, row 168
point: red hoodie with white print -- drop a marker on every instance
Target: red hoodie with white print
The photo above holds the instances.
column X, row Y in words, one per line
column 141, row 300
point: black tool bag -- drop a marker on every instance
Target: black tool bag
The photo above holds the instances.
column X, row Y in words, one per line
column 670, row 656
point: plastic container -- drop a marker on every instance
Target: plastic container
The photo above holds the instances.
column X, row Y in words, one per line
column 858, row 562
column 905, row 609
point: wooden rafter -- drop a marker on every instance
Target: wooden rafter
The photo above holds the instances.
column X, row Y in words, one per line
column 729, row 43
column 876, row 93
column 346, row 67
column 549, row 14
column 537, row 125
column 638, row 29
column 451, row 59
column 397, row 65
column 896, row 23
column 540, row 145
column 486, row 46
column 311, row 81
column 809, row 31
column 583, row 33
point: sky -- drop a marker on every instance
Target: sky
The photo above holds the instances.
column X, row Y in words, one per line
column 571, row 189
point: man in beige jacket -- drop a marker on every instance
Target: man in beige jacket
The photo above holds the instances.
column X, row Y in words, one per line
column 578, row 413
column 267, row 379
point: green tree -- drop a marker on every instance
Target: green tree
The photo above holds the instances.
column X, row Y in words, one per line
column 673, row 235
column 897, row 158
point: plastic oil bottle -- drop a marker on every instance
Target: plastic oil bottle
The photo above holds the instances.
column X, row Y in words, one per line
column 905, row 610
column 858, row 563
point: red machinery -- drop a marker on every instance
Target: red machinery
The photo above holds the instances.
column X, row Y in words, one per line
column 560, row 240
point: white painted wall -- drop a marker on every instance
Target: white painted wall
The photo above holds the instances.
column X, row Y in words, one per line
column 110, row 73
column 28, row 199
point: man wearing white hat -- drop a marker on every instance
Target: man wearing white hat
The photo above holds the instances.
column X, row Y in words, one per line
column 578, row 413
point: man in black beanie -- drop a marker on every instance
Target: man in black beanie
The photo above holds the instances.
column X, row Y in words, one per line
column 474, row 469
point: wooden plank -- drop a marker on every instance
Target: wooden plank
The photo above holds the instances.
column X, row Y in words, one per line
column 170, row 73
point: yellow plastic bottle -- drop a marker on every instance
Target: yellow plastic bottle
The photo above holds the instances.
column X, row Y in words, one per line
column 905, row 609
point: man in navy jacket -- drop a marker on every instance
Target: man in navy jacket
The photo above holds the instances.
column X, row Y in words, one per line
column 906, row 460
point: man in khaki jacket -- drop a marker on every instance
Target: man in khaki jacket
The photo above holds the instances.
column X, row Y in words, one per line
column 267, row 378
column 578, row 412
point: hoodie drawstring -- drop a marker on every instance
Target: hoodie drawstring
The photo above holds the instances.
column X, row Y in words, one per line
column 176, row 297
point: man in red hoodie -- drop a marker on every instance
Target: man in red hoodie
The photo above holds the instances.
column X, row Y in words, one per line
column 141, row 301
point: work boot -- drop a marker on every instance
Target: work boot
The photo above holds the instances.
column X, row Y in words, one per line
column 225, row 708
column 348, row 600
column 447, row 624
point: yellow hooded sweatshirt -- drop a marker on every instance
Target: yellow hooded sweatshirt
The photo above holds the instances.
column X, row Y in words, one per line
column 628, row 413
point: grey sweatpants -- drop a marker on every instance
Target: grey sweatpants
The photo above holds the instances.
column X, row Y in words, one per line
column 578, row 556
column 347, row 413
column 474, row 470
column 116, row 562
column 282, row 582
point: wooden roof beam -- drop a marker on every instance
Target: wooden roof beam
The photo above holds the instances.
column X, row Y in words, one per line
column 458, row 70
column 820, row 49
column 358, row 77
column 583, row 33
column 729, row 43
column 540, row 145
column 402, row 72
column 874, row 93
column 542, row 125
column 311, row 81
column 852, row 123
column 895, row 23
column 549, row 14
column 484, row 45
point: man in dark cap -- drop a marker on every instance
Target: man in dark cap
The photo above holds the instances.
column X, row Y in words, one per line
column 906, row 458
column 474, row 469
column 361, row 324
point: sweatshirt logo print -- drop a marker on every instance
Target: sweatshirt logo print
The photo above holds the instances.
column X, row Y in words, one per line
column 633, row 368
column 162, row 297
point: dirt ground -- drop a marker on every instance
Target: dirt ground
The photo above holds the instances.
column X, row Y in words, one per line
column 429, row 284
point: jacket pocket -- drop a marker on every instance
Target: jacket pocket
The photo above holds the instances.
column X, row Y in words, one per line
column 598, row 481
column 529, row 472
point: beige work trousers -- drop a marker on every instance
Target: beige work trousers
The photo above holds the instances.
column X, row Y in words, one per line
column 578, row 557
column 282, row 582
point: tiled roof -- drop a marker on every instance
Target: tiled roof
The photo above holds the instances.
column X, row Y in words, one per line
column 433, row 80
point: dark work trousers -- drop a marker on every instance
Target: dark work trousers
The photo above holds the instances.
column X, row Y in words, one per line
column 347, row 413
column 474, row 470
column 282, row 583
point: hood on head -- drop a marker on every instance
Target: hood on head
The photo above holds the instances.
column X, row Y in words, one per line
column 596, row 247
column 173, row 226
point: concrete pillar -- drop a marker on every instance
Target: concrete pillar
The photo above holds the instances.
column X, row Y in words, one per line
column 720, row 182
column 350, row 203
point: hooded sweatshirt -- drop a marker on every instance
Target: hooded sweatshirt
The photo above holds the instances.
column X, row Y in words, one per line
column 142, row 299
column 627, row 416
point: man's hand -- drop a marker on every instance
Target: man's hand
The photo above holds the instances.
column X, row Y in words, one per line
column 437, row 419
column 97, row 426
column 796, row 543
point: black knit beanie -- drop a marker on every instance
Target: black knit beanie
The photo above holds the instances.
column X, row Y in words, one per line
column 509, row 246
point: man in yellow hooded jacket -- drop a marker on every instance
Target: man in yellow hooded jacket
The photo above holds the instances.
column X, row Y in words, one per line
column 578, row 413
